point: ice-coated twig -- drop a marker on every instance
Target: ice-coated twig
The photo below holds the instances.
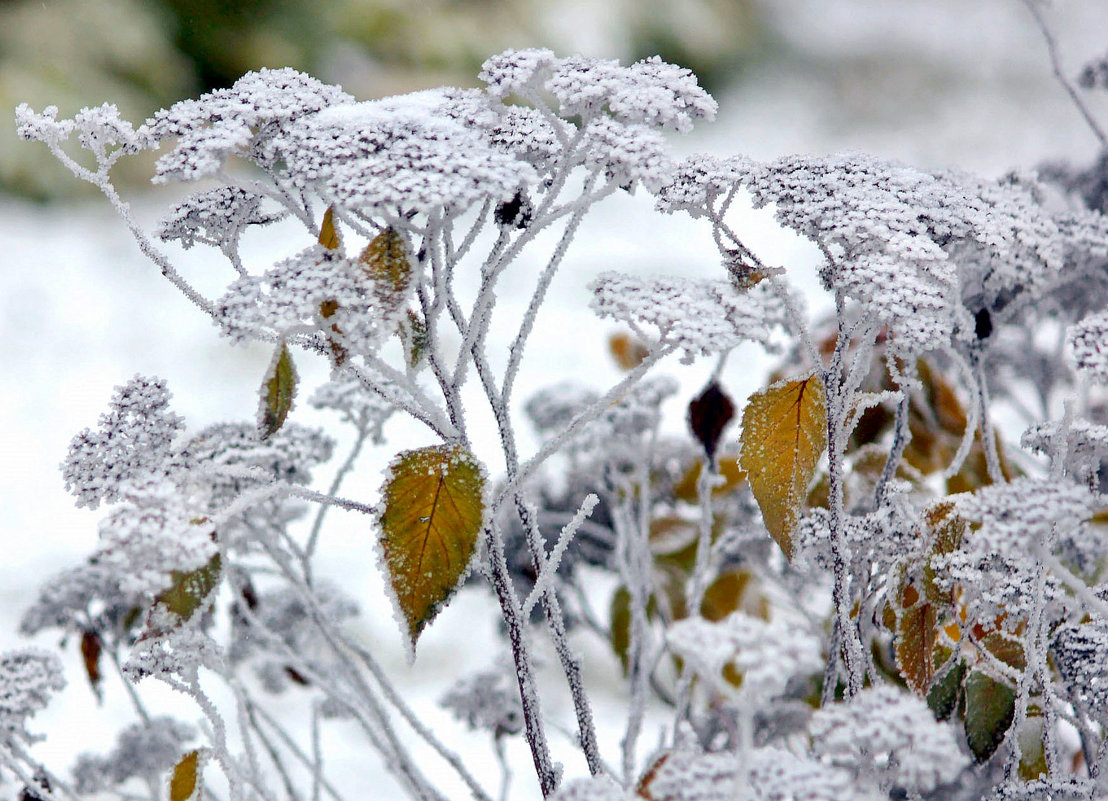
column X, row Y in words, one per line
column 255, row 711
column 340, row 475
column 553, row 560
column 1060, row 74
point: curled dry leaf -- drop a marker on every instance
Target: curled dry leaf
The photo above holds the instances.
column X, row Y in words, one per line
column 784, row 434
column 431, row 512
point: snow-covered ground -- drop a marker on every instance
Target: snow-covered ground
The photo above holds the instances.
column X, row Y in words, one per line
column 943, row 83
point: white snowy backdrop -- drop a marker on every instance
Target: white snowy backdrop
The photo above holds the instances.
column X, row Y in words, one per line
column 943, row 83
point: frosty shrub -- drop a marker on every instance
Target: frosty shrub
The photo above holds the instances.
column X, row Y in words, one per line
column 853, row 585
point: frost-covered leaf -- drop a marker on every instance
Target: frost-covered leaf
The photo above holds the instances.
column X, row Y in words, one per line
column 432, row 509
column 700, row 317
column 184, row 781
column 28, row 677
column 278, row 391
column 889, row 731
column 917, row 619
column 387, row 261
column 990, row 708
column 1080, row 652
column 189, row 592
column 784, row 434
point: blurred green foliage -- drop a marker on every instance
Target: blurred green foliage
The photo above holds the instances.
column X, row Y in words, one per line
column 145, row 54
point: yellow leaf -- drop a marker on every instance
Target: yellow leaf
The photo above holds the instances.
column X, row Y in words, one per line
column 278, row 391
column 627, row 350
column 784, row 434
column 686, row 488
column 183, row 784
column 432, row 511
column 386, row 261
column 328, row 236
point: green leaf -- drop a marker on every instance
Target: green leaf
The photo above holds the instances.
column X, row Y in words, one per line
column 388, row 263
column 620, row 632
column 784, row 434
column 1032, row 751
column 278, row 391
column 414, row 336
column 190, row 589
column 183, row 784
column 943, row 696
column 990, row 707
column 432, row 510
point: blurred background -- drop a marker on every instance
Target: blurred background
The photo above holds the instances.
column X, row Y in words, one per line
column 944, row 83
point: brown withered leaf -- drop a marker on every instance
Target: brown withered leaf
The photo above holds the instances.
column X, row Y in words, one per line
column 91, row 650
column 431, row 513
column 784, row 434
column 709, row 414
column 916, row 624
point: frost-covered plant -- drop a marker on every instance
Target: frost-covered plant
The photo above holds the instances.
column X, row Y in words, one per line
column 867, row 594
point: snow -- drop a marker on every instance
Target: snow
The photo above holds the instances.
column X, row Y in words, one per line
column 82, row 311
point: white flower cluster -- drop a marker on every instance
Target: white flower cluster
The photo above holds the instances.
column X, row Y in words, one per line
column 893, row 735
column 151, row 534
column 487, row 700
column 297, row 292
column 215, row 217
column 921, row 250
column 405, row 153
column 1088, row 346
column 27, row 678
column 133, row 441
column 1021, row 517
column 766, row 654
column 143, row 750
column 242, row 121
column 699, row 317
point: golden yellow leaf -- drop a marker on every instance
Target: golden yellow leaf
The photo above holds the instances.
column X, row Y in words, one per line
column 328, row 236
column 432, row 511
column 278, row 391
column 627, row 350
column 784, row 434
column 182, row 785
column 686, row 488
